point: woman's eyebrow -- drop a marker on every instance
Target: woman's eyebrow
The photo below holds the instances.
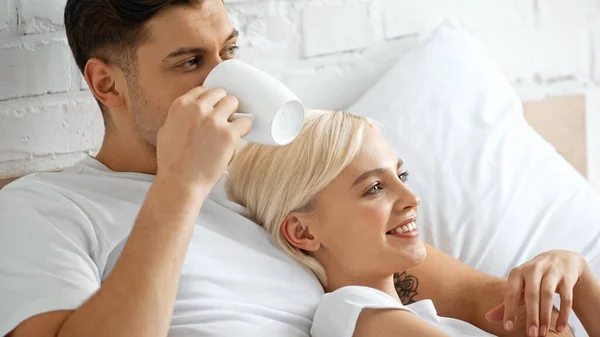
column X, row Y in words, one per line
column 367, row 175
column 374, row 172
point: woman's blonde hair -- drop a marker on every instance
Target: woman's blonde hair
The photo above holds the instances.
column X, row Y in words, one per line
column 274, row 181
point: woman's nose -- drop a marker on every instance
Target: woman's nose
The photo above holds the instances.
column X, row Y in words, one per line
column 406, row 198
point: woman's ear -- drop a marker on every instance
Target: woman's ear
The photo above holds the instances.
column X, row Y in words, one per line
column 105, row 82
column 296, row 231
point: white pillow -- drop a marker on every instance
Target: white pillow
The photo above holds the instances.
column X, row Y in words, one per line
column 495, row 193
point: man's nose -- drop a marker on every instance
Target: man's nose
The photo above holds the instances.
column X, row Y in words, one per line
column 214, row 61
column 209, row 65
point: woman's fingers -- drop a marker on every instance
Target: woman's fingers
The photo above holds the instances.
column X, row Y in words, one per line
column 512, row 298
column 548, row 288
column 536, row 282
column 565, row 288
column 496, row 314
column 533, row 280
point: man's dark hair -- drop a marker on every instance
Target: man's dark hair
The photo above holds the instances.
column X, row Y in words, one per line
column 111, row 30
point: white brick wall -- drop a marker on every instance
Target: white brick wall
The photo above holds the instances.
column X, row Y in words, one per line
column 39, row 16
column 329, row 29
column 34, row 69
column 38, row 127
column 5, row 15
column 328, row 51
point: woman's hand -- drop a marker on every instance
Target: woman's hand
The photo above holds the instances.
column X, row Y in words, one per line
column 536, row 282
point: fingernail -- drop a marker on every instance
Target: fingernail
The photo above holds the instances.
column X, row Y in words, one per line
column 560, row 328
column 533, row 332
column 543, row 330
column 508, row 325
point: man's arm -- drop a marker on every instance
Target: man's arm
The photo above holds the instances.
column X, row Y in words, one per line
column 137, row 298
column 461, row 292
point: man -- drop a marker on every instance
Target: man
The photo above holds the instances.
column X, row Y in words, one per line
column 131, row 243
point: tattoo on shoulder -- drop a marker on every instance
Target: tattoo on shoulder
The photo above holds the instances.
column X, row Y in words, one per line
column 406, row 287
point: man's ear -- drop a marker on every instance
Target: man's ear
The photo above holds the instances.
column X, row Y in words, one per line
column 296, row 231
column 107, row 83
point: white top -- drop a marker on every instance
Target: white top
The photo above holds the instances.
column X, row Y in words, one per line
column 61, row 234
column 338, row 312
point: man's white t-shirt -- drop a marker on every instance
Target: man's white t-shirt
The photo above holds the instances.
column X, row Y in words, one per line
column 62, row 233
column 338, row 313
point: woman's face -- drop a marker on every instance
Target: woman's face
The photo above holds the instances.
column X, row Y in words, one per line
column 366, row 220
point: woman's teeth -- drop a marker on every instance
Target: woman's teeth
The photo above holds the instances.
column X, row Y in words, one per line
column 404, row 229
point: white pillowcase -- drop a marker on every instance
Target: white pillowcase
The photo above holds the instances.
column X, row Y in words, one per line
column 495, row 193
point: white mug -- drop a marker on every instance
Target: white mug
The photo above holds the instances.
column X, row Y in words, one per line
column 277, row 114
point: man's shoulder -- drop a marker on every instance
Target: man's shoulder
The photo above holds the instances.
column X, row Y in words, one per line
column 74, row 191
column 39, row 186
column 31, row 187
column 82, row 205
column 81, row 180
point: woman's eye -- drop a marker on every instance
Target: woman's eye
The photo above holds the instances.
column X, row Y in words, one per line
column 403, row 176
column 376, row 188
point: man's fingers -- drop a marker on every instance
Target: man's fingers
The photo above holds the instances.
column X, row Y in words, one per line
column 547, row 290
column 532, row 302
column 188, row 98
column 194, row 93
column 227, row 106
column 512, row 299
column 208, row 100
column 242, row 126
column 565, row 288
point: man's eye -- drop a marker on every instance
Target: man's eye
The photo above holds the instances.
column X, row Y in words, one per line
column 231, row 51
column 190, row 64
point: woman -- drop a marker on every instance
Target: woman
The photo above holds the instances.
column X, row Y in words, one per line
column 335, row 200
